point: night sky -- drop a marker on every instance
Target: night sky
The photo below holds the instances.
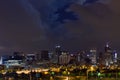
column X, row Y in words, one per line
column 31, row 25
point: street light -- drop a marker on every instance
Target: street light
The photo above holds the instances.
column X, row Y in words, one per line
column 92, row 68
column 30, row 74
column 87, row 73
column 116, row 71
column 68, row 74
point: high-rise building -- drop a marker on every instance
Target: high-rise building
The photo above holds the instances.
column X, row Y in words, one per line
column 81, row 58
column 108, row 55
column 93, row 56
column 64, row 58
column 57, row 52
column 30, row 59
column 107, row 48
column 115, row 56
column 101, row 59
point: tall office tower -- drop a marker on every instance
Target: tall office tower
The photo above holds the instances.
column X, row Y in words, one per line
column 57, row 52
column 108, row 55
column 115, row 56
column 80, row 58
column 100, row 59
column 93, row 56
column 107, row 48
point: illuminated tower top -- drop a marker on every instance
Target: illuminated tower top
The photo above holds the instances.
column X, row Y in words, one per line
column 58, row 46
column 107, row 45
column 107, row 48
column 58, row 49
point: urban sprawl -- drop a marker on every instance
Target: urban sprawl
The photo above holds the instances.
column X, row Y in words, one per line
column 61, row 65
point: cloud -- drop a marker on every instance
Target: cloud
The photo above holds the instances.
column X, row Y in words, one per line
column 29, row 25
column 20, row 26
column 102, row 19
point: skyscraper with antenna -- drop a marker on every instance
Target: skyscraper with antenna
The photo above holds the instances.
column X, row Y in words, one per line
column 108, row 55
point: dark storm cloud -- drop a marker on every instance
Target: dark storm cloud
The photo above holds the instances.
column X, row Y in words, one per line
column 103, row 20
column 47, row 10
column 30, row 25
column 20, row 26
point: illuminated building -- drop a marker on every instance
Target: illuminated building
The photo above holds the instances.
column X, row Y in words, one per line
column 54, row 56
column 115, row 56
column 13, row 63
column 3, row 59
column 15, row 60
column 107, row 48
column 30, row 59
column 108, row 55
column 81, row 57
column 93, row 56
column 57, row 52
column 64, row 58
